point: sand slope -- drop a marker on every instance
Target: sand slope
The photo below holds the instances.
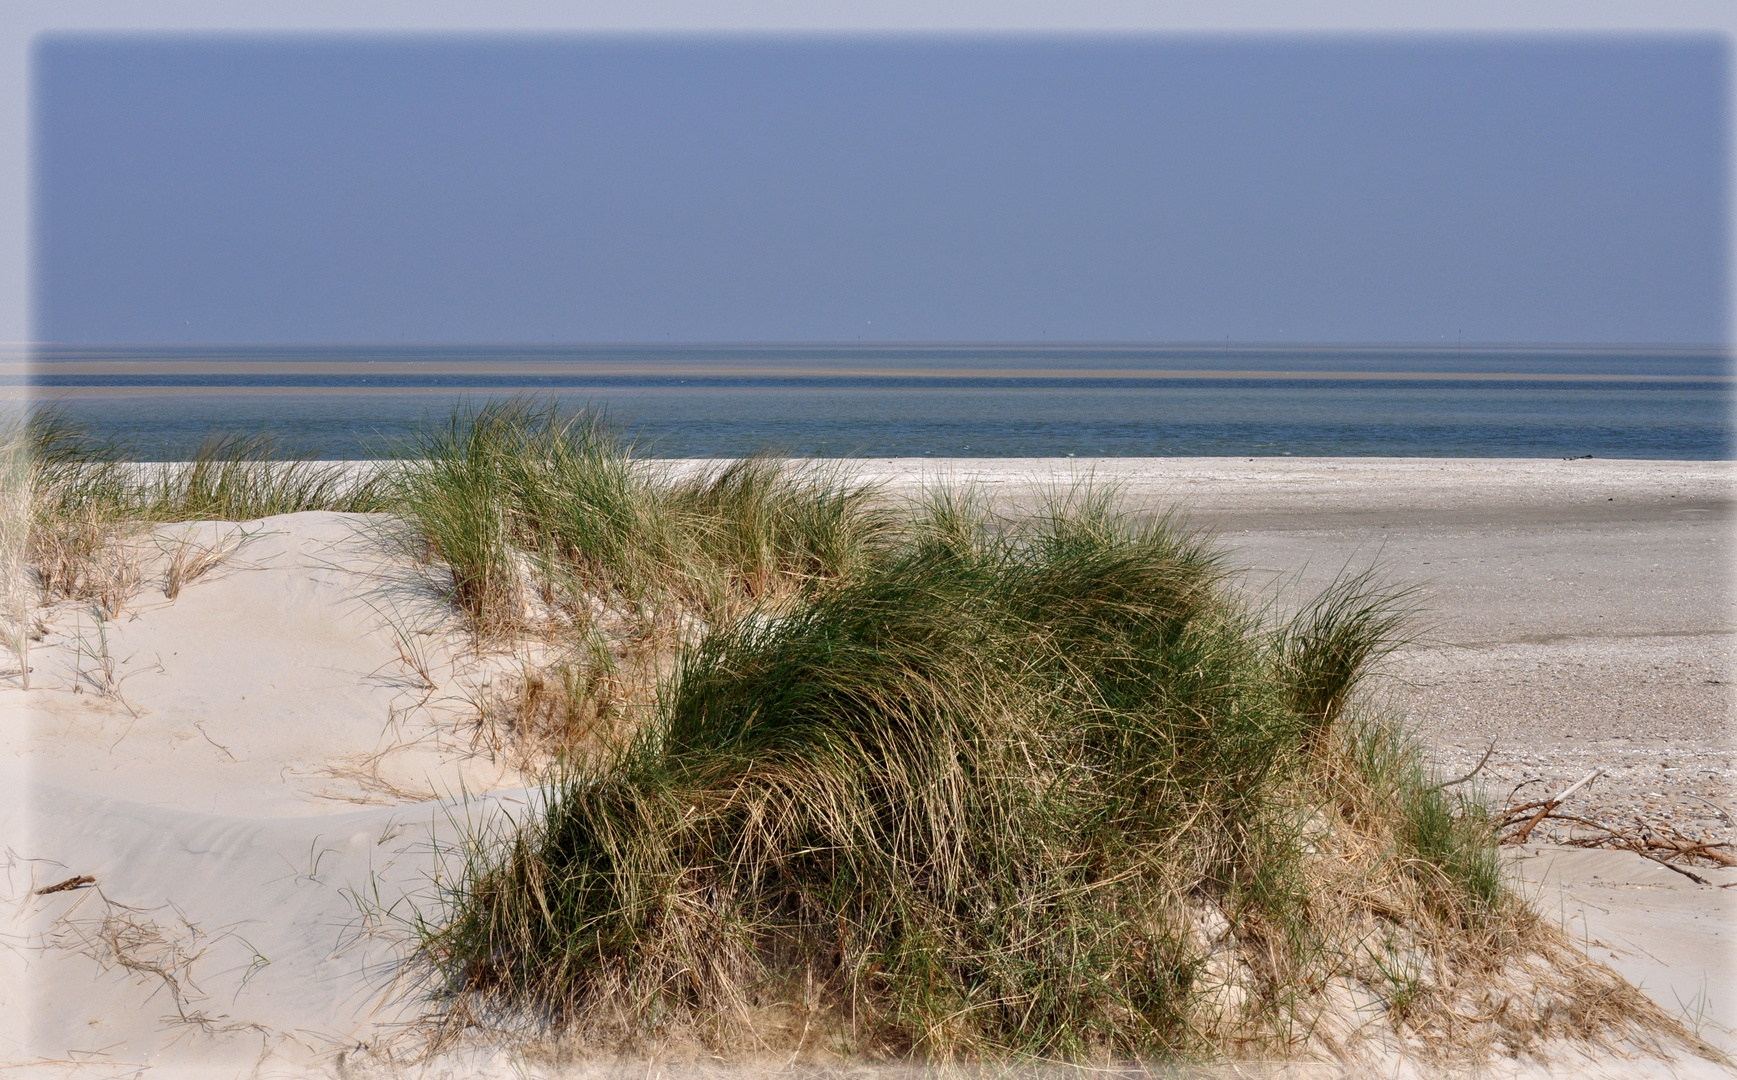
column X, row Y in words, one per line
column 257, row 776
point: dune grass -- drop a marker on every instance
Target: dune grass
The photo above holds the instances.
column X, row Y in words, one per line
column 1442, row 834
column 230, row 477
column 982, row 798
column 531, row 507
column 1329, row 647
column 17, row 599
column 86, row 495
column 967, row 778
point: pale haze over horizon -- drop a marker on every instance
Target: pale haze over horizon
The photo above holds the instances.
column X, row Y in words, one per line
column 592, row 188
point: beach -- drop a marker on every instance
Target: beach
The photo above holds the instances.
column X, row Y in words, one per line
column 265, row 774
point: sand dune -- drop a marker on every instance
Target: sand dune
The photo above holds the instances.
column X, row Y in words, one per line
column 261, row 773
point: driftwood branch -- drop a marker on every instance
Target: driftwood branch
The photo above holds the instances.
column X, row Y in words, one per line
column 1646, row 843
column 1476, row 769
column 1697, row 878
column 1553, row 802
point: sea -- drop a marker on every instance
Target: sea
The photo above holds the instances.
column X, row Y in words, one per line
column 914, row 400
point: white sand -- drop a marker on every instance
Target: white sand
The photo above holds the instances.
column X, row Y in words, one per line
column 264, row 765
column 269, row 763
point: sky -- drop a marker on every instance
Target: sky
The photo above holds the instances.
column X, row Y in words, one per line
column 807, row 188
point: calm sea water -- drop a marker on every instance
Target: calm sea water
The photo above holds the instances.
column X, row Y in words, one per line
column 874, row 400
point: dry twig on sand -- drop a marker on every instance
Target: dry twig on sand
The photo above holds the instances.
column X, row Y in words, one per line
column 129, row 938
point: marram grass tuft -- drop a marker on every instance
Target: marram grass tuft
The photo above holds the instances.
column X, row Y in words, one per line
column 970, row 803
column 527, row 503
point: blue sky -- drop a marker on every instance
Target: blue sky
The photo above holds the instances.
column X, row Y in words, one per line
column 497, row 189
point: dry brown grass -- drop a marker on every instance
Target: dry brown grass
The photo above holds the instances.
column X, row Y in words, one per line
column 90, row 510
column 581, row 703
column 188, row 559
column 1403, row 958
column 17, row 590
column 75, row 558
column 117, row 935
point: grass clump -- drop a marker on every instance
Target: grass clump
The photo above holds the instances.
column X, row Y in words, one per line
column 547, row 514
column 1442, row 834
column 1329, row 647
column 1041, row 789
column 962, row 805
column 558, row 539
